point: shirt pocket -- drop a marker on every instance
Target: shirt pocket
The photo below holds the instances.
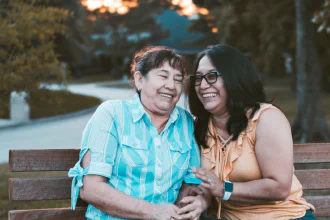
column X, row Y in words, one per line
column 180, row 154
column 134, row 152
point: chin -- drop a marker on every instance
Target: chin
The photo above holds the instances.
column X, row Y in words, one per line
column 210, row 108
column 166, row 108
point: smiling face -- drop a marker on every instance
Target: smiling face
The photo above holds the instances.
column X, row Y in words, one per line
column 212, row 96
column 160, row 89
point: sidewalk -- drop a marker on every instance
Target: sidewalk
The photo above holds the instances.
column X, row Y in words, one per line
column 8, row 123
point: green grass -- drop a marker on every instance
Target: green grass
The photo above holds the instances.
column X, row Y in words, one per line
column 46, row 103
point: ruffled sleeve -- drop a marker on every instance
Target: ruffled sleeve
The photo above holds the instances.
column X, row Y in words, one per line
column 209, row 155
column 233, row 154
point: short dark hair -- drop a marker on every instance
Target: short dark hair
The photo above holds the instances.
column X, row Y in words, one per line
column 151, row 57
column 243, row 86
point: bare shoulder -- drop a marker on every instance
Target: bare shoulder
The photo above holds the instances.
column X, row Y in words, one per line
column 273, row 125
column 273, row 117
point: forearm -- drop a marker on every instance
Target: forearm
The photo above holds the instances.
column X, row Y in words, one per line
column 259, row 191
column 113, row 202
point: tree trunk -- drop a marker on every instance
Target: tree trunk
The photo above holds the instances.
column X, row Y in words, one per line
column 309, row 124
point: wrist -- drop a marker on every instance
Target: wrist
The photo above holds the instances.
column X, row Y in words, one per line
column 148, row 210
column 220, row 191
column 204, row 202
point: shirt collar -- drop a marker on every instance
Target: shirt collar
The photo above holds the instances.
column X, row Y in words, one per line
column 138, row 110
column 136, row 107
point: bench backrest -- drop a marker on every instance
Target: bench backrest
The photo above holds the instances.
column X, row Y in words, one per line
column 54, row 188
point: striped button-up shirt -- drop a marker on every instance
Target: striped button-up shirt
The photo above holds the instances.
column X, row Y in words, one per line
column 126, row 148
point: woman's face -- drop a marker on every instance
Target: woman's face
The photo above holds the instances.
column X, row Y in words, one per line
column 160, row 89
column 213, row 96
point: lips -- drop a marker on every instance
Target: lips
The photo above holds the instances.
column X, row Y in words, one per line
column 166, row 95
column 209, row 95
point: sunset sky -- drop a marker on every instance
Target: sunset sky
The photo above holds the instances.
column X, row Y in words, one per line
column 122, row 7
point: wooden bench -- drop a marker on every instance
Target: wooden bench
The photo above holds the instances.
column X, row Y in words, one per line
column 60, row 187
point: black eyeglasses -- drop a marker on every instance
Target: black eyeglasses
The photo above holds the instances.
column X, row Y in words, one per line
column 210, row 78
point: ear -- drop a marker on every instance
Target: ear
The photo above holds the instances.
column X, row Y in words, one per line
column 138, row 80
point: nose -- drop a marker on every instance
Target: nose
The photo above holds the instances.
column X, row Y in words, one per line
column 204, row 84
column 170, row 84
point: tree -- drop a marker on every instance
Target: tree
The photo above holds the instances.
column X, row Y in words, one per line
column 119, row 35
column 27, row 33
column 256, row 28
column 266, row 30
column 310, row 120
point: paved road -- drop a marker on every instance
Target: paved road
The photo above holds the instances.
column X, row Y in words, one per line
column 61, row 134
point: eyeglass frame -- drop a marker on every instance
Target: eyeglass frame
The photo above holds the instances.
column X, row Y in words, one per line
column 217, row 73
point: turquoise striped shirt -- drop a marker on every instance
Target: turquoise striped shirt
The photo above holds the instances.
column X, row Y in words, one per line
column 126, row 148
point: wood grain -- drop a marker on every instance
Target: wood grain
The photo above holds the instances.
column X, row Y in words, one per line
column 42, row 160
column 49, row 214
column 312, row 153
column 321, row 203
column 314, row 179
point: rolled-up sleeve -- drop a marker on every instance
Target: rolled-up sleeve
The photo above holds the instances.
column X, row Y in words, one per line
column 195, row 158
column 101, row 139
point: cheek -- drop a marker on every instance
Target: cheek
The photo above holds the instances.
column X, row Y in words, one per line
column 179, row 89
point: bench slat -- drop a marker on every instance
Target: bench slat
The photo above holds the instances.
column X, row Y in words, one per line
column 314, row 179
column 64, row 159
column 312, row 153
column 39, row 188
column 55, row 188
column 321, row 204
column 42, row 160
column 59, row 213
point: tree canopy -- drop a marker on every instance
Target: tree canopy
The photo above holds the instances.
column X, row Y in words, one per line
column 27, row 33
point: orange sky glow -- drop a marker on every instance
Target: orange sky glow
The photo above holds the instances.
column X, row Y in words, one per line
column 122, row 6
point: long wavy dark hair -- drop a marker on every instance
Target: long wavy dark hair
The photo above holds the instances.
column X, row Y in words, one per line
column 243, row 86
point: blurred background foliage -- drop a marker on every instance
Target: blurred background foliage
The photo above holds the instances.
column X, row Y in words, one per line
column 43, row 41
column 27, row 34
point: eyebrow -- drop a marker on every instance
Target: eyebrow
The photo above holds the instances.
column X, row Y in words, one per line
column 212, row 70
column 177, row 74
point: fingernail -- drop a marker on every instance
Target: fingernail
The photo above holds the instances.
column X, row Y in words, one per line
column 194, row 169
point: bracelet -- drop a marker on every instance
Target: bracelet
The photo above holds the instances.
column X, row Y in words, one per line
column 228, row 189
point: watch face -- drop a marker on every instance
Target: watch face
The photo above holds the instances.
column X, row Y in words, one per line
column 229, row 187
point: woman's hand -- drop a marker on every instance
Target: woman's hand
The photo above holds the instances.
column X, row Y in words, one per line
column 188, row 190
column 210, row 181
column 193, row 207
column 165, row 212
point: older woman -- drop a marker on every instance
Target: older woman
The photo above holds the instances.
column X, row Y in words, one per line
column 247, row 150
column 136, row 153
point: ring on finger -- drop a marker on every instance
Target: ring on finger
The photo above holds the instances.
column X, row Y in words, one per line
column 209, row 180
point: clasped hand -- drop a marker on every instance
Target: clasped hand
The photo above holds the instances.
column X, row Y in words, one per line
column 192, row 206
column 210, row 181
